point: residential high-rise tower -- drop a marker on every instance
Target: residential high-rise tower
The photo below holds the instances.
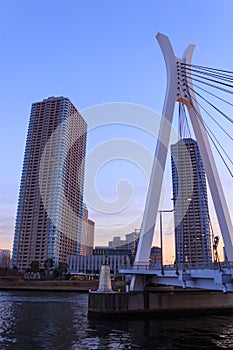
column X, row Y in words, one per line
column 191, row 215
column 49, row 213
column 88, row 232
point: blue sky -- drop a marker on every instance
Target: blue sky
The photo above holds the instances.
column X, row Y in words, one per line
column 94, row 52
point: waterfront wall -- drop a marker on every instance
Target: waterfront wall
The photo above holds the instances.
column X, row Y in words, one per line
column 181, row 301
column 72, row 286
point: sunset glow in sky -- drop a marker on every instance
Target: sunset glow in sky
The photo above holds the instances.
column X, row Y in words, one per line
column 100, row 52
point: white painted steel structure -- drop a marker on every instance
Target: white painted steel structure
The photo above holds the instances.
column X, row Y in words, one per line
column 213, row 276
column 178, row 90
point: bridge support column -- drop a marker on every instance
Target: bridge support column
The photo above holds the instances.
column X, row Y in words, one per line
column 138, row 283
column 155, row 185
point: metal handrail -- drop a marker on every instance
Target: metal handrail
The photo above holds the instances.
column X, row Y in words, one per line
column 185, row 266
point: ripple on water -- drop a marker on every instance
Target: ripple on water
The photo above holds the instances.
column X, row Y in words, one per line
column 58, row 321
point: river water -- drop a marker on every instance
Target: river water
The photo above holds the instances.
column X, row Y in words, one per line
column 58, row 321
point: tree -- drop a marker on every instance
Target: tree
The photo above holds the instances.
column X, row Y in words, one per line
column 63, row 267
column 60, row 270
column 34, row 266
column 48, row 265
column 15, row 271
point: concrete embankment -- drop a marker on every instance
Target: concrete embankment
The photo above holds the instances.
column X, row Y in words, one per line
column 157, row 303
column 72, row 286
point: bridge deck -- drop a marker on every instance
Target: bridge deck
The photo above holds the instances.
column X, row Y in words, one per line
column 213, row 276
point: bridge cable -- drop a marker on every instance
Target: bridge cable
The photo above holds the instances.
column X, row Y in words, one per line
column 211, row 85
column 212, row 94
column 206, row 68
column 182, row 117
column 183, row 126
column 224, row 77
column 212, row 137
column 210, row 134
column 217, row 123
column 217, row 109
column 208, row 79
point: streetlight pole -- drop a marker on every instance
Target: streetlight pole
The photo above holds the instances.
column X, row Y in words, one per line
column 161, row 239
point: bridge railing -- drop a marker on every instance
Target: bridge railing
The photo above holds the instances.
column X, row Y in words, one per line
column 185, row 266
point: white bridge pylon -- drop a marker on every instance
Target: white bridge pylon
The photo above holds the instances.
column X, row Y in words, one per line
column 178, row 90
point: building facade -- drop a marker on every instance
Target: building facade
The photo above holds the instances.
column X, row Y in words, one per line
column 49, row 213
column 117, row 242
column 88, row 232
column 90, row 236
column 117, row 258
column 90, row 265
column 5, row 258
column 155, row 256
column 191, row 213
column 130, row 241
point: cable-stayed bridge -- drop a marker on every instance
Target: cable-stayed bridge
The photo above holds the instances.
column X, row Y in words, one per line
column 185, row 82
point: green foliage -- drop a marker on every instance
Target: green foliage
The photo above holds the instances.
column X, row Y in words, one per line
column 34, row 266
column 7, row 271
column 63, row 267
column 60, row 271
column 48, row 265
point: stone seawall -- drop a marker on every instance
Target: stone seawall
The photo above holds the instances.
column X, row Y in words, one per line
column 164, row 302
column 73, row 286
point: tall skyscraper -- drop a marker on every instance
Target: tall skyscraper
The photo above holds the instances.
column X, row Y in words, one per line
column 191, row 215
column 49, row 213
column 88, row 231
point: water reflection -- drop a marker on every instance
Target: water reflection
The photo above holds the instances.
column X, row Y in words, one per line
column 42, row 320
column 6, row 322
column 58, row 321
column 213, row 332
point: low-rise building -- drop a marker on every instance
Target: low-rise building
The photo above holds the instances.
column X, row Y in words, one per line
column 155, row 256
column 90, row 265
